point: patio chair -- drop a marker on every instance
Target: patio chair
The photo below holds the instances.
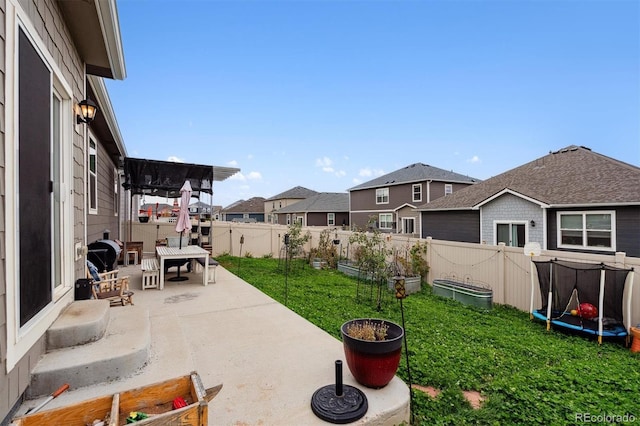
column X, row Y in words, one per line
column 108, row 285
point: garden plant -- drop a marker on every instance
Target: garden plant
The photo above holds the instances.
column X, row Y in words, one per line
column 525, row 374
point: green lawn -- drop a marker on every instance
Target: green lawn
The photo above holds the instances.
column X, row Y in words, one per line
column 526, row 374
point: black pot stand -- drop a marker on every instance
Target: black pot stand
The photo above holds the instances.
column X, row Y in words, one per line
column 339, row 403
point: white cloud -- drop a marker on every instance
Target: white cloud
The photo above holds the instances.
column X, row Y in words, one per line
column 474, row 159
column 175, row 159
column 367, row 172
column 341, row 173
column 250, row 156
column 242, row 177
column 324, row 162
column 357, row 181
column 232, row 163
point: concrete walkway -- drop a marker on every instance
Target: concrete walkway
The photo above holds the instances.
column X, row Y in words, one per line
column 269, row 359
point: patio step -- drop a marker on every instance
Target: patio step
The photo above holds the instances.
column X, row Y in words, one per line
column 91, row 345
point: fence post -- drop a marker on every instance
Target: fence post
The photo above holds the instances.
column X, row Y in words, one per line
column 620, row 259
column 501, row 273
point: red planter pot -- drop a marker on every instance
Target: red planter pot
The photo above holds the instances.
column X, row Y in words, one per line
column 373, row 363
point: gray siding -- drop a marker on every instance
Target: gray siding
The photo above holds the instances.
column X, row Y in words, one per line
column 106, row 217
column 509, row 208
column 463, row 226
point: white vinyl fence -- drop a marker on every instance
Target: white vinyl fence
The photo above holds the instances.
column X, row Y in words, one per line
column 505, row 270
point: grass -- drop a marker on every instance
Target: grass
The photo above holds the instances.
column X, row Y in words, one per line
column 526, row 374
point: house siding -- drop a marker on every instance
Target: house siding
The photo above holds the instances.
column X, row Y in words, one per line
column 462, row 226
column 105, row 217
column 627, row 230
column 50, row 28
column 363, row 202
column 510, row 208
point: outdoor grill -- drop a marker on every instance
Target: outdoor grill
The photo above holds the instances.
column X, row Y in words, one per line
column 103, row 254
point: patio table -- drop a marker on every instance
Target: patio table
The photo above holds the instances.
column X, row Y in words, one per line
column 188, row 252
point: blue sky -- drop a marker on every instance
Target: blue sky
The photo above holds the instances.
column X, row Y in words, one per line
column 330, row 94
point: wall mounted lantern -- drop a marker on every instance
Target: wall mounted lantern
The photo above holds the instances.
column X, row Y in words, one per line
column 533, row 224
column 86, row 111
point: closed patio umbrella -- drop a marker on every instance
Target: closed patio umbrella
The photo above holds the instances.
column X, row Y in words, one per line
column 184, row 221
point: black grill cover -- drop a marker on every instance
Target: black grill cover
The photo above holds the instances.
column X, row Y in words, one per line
column 103, row 254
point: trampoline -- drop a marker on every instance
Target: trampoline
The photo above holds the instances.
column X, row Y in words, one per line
column 566, row 286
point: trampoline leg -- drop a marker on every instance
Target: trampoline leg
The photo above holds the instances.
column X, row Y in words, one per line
column 548, row 325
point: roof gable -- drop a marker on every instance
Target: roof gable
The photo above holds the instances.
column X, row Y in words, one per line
column 252, row 205
column 417, row 172
column 322, row 202
column 571, row 176
column 297, row 192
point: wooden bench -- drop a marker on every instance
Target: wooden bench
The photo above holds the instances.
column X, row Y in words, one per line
column 150, row 273
column 213, row 264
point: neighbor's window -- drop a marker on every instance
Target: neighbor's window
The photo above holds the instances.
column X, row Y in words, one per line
column 587, row 230
column 448, row 189
column 417, row 192
column 511, row 234
column 288, row 219
column 331, row 219
column 93, row 176
column 382, row 196
column 386, row 220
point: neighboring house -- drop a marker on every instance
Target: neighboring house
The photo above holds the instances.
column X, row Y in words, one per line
column 284, row 199
column 60, row 181
column 323, row 209
column 572, row 199
column 204, row 209
column 390, row 200
column 251, row 210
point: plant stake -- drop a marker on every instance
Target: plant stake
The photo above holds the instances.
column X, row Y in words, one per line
column 401, row 293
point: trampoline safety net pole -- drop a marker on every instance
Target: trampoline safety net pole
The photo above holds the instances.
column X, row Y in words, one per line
column 600, row 305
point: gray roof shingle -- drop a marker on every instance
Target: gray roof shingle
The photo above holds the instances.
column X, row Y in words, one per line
column 322, row 202
column 416, row 172
column 571, row 176
column 252, row 205
column 296, row 192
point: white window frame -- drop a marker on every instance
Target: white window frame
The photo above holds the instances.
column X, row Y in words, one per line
column 331, row 219
column 382, row 196
column 448, row 189
column 585, row 231
column 418, row 198
column 288, row 218
column 510, row 223
column 388, row 223
column 92, row 190
column 116, row 192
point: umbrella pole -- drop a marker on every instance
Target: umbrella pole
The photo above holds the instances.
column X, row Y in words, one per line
column 178, row 277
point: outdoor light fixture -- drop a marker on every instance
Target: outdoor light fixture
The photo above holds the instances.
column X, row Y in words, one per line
column 533, row 224
column 86, row 111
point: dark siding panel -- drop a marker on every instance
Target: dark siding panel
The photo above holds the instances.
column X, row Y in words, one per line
column 399, row 195
column 627, row 230
column 316, row 219
column 342, row 219
column 463, row 226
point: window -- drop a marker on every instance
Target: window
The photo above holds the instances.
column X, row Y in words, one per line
column 382, row 196
column 116, row 194
column 288, row 219
column 331, row 219
column 587, row 230
column 448, row 189
column 408, row 225
column 417, row 192
column 92, row 168
column 511, row 234
column 385, row 220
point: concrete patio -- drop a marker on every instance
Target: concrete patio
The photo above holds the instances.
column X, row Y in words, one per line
column 269, row 360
